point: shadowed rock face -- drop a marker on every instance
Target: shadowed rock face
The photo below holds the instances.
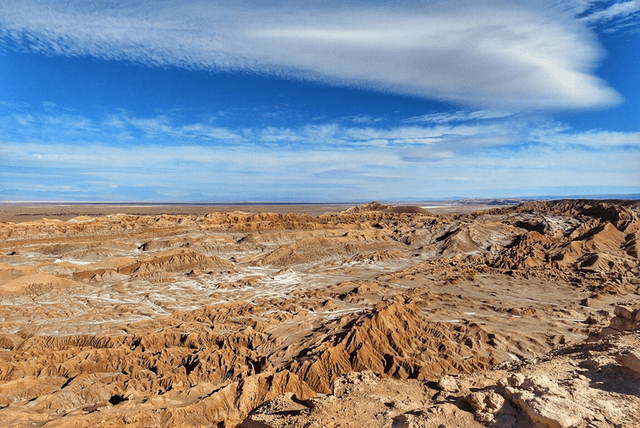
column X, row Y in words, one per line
column 198, row 320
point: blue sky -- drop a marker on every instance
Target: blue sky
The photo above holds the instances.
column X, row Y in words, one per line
column 331, row 101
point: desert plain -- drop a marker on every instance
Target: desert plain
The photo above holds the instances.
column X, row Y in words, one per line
column 321, row 316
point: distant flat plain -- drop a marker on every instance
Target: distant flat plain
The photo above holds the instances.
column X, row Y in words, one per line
column 24, row 212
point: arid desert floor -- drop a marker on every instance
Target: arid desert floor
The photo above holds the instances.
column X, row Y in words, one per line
column 321, row 316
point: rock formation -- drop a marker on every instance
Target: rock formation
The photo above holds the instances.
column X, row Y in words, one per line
column 522, row 316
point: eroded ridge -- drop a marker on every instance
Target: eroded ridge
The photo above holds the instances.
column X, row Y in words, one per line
column 200, row 320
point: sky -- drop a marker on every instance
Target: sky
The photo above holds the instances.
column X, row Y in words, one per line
column 332, row 101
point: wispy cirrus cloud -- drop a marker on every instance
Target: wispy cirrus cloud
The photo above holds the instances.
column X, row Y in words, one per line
column 610, row 16
column 618, row 18
column 327, row 161
column 65, row 122
column 438, row 133
column 220, row 172
column 459, row 116
column 365, row 119
column 163, row 126
column 518, row 56
column 594, row 139
column 598, row 10
column 617, row 10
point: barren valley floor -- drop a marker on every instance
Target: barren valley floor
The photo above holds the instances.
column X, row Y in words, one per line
column 320, row 315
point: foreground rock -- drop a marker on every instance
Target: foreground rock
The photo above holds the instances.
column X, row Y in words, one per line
column 577, row 387
column 360, row 397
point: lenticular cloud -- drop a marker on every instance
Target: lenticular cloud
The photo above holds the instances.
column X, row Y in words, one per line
column 489, row 56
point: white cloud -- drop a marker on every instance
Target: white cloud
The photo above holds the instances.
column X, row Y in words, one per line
column 49, row 106
column 576, row 7
column 364, row 119
column 615, row 11
column 408, row 171
column 279, row 135
column 435, row 137
column 114, row 122
column 199, row 130
column 593, row 139
column 331, row 161
column 505, row 55
column 24, row 120
column 164, row 126
column 66, row 121
column 459, row 116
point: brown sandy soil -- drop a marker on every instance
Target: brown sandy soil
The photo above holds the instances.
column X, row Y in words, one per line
column 22, row 212
column 375, row 315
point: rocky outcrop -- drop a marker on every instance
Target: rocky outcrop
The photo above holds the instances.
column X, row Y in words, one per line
column 393, row 339
column 182, row 260
column 395, row 209
column 546, row 403
column 578, row 387
column 627, row 318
